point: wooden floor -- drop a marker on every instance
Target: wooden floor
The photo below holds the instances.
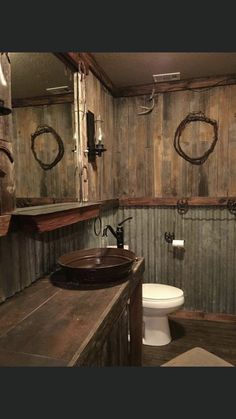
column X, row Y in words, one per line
column 215, row 336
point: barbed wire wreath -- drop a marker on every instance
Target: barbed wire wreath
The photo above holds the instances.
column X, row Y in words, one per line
column 191, row 117
column 44, row 129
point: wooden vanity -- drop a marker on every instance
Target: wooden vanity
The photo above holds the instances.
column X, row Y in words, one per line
column 46, row 325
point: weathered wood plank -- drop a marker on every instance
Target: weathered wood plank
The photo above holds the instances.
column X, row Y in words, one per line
column 52, row 220
column 69, row 334
column 7, row 180
column 192, row 201
column 43, row 100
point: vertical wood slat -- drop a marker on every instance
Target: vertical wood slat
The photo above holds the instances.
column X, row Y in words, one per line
column 7, row 181
column 158, row 169
column 31, row 179
column 205, row 270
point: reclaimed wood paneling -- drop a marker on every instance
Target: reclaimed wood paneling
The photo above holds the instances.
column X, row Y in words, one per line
column 31, row 179
column 146, row 161
column 100, row 174
column 7, row 180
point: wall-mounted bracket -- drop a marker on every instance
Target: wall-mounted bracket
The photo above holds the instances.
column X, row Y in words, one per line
column 231, row 206
column 169, row 237
column 182, row 206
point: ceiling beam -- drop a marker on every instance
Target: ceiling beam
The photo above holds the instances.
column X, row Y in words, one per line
column 164, row 87
column 43, row 100
column 72, row 60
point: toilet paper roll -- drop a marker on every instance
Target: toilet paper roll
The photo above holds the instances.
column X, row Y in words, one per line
column 178, row 243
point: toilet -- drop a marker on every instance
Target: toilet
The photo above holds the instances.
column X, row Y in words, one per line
column 159, row 300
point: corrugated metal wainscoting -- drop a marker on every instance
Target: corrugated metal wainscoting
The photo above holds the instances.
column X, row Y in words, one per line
column 205, row 270
column 26, row 257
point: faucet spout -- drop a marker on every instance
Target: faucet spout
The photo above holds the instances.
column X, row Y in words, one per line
column 108, row 227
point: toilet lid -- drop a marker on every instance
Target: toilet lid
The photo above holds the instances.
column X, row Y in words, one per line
column 161, row 292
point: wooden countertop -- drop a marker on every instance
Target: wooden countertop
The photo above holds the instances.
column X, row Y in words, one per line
column 49, row 326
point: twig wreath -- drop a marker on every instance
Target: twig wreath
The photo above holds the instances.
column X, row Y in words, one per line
column 191, row 117
column 44, row 129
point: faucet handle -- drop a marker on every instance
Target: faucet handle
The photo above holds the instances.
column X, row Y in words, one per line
column 104, row 233
column 122, row 222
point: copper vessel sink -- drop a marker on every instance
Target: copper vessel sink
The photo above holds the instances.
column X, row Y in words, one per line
column 97, row 265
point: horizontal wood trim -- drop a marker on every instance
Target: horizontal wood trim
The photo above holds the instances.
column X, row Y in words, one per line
column 109, row 204
column 32, row 201
column 43, row 100
column 197, row 83
column 4, row 224
column 193, row 201
column 72, row 59
column 89, row 60
column 201, row 315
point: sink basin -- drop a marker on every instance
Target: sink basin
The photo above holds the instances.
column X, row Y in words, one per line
column 97, row 265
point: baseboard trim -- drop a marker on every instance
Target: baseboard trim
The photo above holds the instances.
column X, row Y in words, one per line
column 201, row 315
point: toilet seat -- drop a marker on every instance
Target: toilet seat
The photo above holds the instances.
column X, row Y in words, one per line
column 161, row 296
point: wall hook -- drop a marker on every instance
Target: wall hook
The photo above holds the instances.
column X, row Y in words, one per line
column 231, row 206
column 182, row 206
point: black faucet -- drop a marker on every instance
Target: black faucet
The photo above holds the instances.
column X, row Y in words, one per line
column 118, row 234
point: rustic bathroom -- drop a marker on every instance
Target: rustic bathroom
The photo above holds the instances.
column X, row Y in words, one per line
column 117, row 209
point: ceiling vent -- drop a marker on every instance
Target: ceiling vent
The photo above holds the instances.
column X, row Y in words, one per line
column 158, row 78
column 58, row 89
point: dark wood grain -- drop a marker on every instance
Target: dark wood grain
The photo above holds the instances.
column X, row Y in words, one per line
column 15, row 359
column 49, row 217
column 4, row 224
column 136, row 321
column 216, row 337
column 193, row 201
column 43, row 100
column 68, row 325
column 7, row 179
column 14, row 310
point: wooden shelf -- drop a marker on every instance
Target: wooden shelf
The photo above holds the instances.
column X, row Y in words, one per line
column 44, row 218
column 50, row 217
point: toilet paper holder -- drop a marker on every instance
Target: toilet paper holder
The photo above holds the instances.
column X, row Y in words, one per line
column 169, row 237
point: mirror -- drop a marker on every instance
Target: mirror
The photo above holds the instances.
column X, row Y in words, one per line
column 43, row 128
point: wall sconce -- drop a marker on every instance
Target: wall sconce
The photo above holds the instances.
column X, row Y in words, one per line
column 95, row 137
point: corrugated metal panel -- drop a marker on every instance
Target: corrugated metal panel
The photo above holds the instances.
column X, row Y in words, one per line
column 205, row 270
column 26, row 257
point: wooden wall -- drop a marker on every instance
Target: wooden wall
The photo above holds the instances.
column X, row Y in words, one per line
column 60, row 180
column 146, row 161
column 7, row 179
column 100, row 176
column 31, row 179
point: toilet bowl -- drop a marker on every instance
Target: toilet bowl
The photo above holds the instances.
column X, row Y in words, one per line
column 159, row 300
